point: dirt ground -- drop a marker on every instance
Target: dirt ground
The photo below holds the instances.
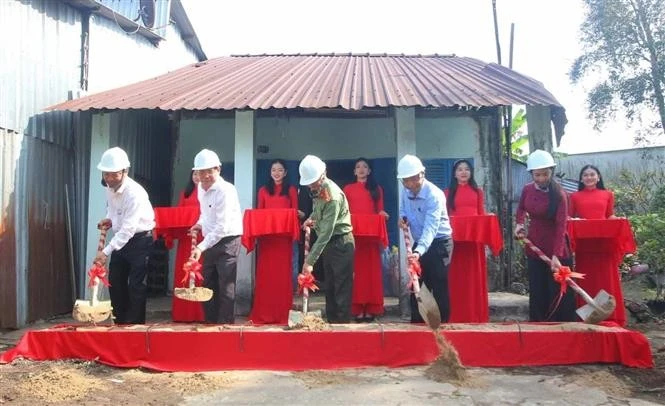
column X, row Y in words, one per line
column 89, row 383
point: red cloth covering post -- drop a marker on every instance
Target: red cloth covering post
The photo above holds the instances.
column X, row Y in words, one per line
column 467, row 276
column 173, row 223
column 599, row 247
column 276, row 230
column 370, row 234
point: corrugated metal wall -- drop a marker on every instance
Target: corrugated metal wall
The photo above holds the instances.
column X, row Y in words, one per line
column 10, row 144
column 130, row 9
column 44, row 48
column 40, row 56
column 145, row 135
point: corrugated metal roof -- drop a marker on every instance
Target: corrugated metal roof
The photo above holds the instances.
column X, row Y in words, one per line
column 347, row 81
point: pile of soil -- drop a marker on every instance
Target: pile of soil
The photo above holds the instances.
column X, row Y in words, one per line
column 447, row 367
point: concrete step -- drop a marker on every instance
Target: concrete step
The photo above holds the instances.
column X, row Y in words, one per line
column 503, row 306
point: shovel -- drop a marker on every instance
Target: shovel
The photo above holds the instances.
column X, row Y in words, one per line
column 305, row 282
column 597, row 309
column 427, row 306
column 192, row 269
column 93, row 310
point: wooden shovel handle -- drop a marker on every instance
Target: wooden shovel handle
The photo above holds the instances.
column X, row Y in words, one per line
column 194, row 234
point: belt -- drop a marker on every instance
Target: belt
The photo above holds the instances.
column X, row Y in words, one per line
column 339, row 236
column 142, row 234
column 442, row 239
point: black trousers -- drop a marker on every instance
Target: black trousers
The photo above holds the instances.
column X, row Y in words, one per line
column 220, row 264
column 544, row 293
column 128, row 269
column 338, row 271
column 434, row 264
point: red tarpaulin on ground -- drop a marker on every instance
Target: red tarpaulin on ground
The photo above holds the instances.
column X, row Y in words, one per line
column 599, row 247
column 467, row 276
column 246, row 347
column 276, row 230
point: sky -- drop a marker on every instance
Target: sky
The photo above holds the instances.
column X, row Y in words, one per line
column 546, row 40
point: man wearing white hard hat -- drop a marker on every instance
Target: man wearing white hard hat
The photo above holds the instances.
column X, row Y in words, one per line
column 544, row 203
column 130, row 215
column 221, row 224
column 423, row 205
column 331, row 220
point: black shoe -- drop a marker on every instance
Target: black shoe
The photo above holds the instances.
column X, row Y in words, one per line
column 368, row 319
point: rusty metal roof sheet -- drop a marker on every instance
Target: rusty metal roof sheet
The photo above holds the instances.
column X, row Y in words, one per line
column 347, row 81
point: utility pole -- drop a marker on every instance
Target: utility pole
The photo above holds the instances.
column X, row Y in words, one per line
column 506, row 118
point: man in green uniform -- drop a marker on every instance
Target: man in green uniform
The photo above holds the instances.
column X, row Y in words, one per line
column 331, row 220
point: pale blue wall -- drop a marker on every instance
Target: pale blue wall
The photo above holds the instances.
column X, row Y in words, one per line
column 452, row 137
column 329, row 138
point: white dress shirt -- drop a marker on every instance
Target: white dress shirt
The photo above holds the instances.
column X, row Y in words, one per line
column 220, row 213
column 130, row 212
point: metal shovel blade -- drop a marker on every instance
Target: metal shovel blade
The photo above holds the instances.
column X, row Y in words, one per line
column 428, row 308
column 195, row 294
column 296, row 318
column 85, row 312
column 599, row 309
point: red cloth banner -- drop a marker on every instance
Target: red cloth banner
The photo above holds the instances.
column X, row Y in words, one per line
column 276, row 230
column 370, row 234
column 467, row 276
column 242, row 347
column 599, row 247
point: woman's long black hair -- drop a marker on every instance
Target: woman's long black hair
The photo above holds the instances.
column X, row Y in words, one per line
column 452, row 188
column 599, row 185
column 270, row 184
column 189, row 189
column 370, row 184
column 554, row 192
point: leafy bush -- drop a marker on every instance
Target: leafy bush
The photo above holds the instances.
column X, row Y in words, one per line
column 649, row 230
column 637, row 193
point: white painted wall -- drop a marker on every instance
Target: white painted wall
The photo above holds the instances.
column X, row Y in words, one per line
column 117, row 59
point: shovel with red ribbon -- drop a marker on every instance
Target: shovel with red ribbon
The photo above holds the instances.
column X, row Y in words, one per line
column 193, row 274
column 427, row 306
column 94, row 310
column 306, row 283
column 597, row 309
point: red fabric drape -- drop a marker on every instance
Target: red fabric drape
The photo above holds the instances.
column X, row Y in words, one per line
column 599, row 247
column 467, row 276
column 173, row 223
column 370, row 234
column 276, row 229
column 261, row 348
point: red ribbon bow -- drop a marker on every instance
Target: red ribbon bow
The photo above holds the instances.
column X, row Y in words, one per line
column 192, row 267
column 306, row 280
column 414, row 270
column 562, row 275
column 97, row 271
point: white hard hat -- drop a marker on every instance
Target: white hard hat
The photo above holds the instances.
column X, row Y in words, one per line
column 311, row 168
column 409, row 166
column 206, row 159
column 113, row 160
column 539, row 159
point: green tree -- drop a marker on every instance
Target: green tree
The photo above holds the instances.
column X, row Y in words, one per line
column 519, row 141
column 624, row 43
